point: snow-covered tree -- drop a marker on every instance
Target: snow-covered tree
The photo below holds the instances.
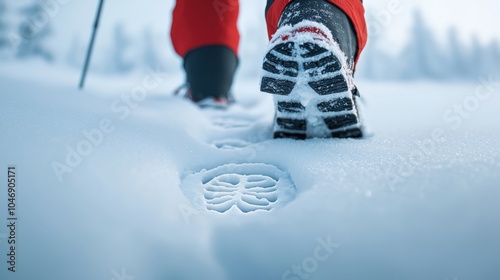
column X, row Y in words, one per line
column 493, row 62
column 375, row 62
column 495, row 51
column 119, row 57
column 35, row 29
column 477, row 59
column 4, row 40
column 458, row 58
column 149, row 55
column 422, row 55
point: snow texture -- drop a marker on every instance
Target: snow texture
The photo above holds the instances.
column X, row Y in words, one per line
column 417, row 199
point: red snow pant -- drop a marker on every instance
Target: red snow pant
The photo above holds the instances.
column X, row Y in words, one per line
column 199, row 23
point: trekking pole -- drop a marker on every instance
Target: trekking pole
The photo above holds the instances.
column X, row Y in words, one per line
column 91, row 45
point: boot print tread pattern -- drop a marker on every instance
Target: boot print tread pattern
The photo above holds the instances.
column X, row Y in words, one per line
column 242, row 188
column 290, row 69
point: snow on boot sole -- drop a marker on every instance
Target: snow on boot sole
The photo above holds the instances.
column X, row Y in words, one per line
column 312, row 85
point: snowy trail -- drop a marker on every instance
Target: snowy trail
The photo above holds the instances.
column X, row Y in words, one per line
column 243, row 186
column 393, row 206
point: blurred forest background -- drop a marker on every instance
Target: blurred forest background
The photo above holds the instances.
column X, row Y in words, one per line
column 26, row 30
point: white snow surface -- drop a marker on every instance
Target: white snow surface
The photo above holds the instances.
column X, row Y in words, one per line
column 416, row 199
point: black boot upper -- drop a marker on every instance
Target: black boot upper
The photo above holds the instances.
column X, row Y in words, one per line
column 210, row 71
column 327, row 14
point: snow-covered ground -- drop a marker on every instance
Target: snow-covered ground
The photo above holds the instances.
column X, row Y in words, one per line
column 114, row 183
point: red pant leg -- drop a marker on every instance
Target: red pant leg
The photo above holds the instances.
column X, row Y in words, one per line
column 352, row 8
column 199, row 23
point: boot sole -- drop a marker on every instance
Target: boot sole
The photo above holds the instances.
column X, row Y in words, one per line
column 312, row 95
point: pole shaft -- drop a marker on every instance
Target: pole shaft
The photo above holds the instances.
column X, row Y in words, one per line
column 91, row 45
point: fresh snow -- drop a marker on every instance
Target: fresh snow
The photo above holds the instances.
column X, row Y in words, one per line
column 137, row 169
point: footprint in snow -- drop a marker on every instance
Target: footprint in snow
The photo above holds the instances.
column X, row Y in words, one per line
column 231, row 144
column 240, row 188
column 231, row 122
